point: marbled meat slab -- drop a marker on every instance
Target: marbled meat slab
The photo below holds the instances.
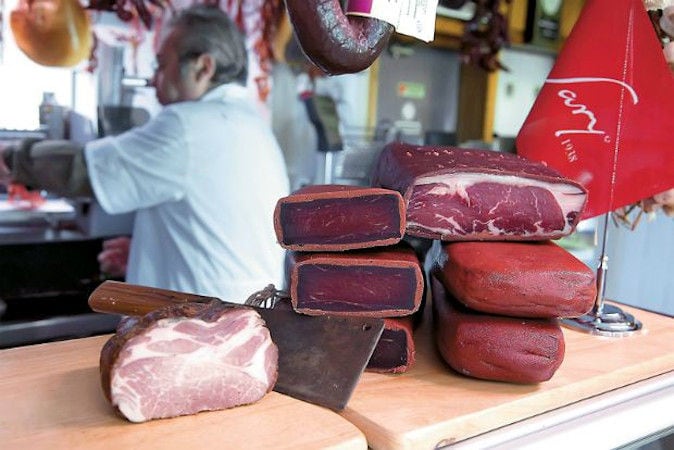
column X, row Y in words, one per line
column 455, row 194
column 186, row 358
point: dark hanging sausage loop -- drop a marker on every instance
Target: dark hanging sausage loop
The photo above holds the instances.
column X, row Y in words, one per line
column 333, row 41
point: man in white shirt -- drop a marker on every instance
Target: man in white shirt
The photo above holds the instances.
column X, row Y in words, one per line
column 203, row 176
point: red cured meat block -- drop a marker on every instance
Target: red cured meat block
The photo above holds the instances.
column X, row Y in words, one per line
column 338, row 217
column 523, row 279
column 187, row 358
column 395, row 351
column 492, row 347
column 378, row 282
column 456, row 194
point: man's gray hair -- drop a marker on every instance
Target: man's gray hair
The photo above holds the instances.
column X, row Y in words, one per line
column 207, row 29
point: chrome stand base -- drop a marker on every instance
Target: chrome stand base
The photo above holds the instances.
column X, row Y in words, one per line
column 328, row 169
column 611, row 322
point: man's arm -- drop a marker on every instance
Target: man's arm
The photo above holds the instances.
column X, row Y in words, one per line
column 5, row 173
column 56, row 166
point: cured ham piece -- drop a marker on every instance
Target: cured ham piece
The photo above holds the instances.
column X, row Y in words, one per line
column 338, row 217
column 386, row 282
column 187, row 358
column 395, row 352
column 521, row 279
column 497, row 348
column 455, row 194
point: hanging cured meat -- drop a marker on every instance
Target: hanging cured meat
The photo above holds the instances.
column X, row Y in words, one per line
column 52, row 32
column 335, row 42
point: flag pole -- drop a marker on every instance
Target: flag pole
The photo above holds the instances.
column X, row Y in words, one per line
column 604, row 319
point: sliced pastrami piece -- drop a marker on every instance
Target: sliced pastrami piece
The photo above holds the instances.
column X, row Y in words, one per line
column 491, row 347
column 335, row 42
column 377, row 283
column 455, row 194
column 188, row 358
column 522, row 279
column 395, row 351
column 337, row 217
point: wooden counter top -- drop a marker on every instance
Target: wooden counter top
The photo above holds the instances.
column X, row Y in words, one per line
column 52, row 399
column 431, row 405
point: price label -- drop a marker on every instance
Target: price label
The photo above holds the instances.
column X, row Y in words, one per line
column 414, row 18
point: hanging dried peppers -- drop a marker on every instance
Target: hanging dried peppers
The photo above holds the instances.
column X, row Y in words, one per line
column 485, row 34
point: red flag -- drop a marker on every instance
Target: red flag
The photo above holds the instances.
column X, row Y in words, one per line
column 605, row 115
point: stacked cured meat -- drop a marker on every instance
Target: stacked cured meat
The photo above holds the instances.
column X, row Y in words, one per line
column 496, row 305
column 347, row 258
column 499, row 284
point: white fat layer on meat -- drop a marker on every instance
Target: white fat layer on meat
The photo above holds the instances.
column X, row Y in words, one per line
column 213, row 358
column 568, row 197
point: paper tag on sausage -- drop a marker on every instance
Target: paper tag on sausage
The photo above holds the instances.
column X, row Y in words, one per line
column 414, row 18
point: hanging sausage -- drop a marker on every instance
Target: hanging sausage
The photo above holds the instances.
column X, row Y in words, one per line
column 335, row 42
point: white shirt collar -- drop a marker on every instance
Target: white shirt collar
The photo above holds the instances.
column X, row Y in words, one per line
column 229, row 90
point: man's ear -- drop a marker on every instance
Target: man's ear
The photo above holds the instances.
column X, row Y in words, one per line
column 205, row 67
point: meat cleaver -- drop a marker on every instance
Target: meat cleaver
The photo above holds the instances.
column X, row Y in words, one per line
column 321, row 358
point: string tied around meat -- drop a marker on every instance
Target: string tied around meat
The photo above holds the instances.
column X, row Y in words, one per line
column 267, row 297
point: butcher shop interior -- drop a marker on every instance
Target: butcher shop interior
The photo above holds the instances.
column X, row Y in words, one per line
column 467, row 203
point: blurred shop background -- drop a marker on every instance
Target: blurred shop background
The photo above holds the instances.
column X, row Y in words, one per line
column 330, row 128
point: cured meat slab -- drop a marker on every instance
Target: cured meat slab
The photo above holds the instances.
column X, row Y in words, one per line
column 383, row 283
column 492, row 347
column 339, row 217
column 455, row 194
column 188, row 358
column 395, row 351
column 522, row 279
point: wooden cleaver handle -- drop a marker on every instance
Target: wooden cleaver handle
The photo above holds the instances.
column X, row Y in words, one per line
column 134, row 300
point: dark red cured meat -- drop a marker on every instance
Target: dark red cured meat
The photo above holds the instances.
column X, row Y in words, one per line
column 334, row 42
column 395, row 351
column 384, row 282
column 522, row 279
column 497, row 348
column 187, row 358
column 337, row 217
column 454, row 194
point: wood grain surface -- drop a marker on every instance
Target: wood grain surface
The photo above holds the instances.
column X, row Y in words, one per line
column 431, row 405
column 51, row 399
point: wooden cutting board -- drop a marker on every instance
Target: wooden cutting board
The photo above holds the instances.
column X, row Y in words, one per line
column 52, row 399
column 431, row 405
